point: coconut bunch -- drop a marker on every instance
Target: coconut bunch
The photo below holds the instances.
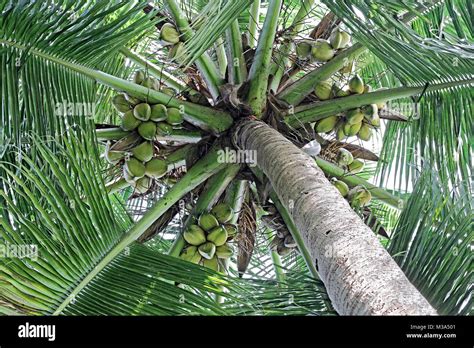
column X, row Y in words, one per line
column 283, row 242
column 147, row 119
column 140, row 161
column 322, row 50
column 345, row 160
column 169, row 36
column 208, row 239
column 360, row 122
column 357, row 197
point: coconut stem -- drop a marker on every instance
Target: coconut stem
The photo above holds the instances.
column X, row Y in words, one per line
column 259, row 72
column 253, row 23
column 116, row 186
column 221, row 57
column 179, row 135
column 316, row 111
column 237, row 67
column 113, row 133
column 206, row 118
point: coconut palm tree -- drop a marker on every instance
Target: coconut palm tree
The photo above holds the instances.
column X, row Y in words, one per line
column 237, row 157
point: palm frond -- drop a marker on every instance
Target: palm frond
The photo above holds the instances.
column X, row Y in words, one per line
column 210, row 24
column 55, row 202
column 433, row 246
column 415, row 58
column 440, row 124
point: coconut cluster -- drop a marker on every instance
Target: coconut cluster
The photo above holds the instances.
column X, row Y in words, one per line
column 169, row 36
column 283, row 242
column 140, row 161
column 358, row 196
column 208, row 239
column 360, row 122
column 321, row 50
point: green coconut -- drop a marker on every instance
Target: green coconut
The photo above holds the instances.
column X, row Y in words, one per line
column 194, row 235
column 142, row 111
column 381, row 105
column 207, row 250
column 323, row 90
column 352, row 129
column 147, row 130
column 341, row 187
column 344, row 157
column 148, row 82
column 174, row 117
column 191, row 254
column 224, row 251
column 218, row 236
column 143, row 152
column 129, row 122
column 158, row 113
column 365, row 132
column 212, row 263
column 303, row 49
column 208, row 221
column 132, row 100
column 142, row 185
column 356, row 166
column 289, row 241
column 370, row 111
column 231, row 229
column 340, row 134
column 326, row 124
column 341, row 92
column 113, row 157
column 168, row 91
column 139, row 76
column 322, row 50
column 176, row 53
column 156, row 168
column 354, row 116
column 135, row 168
column 120, row 103
column 359, row 196
column 223, row 212
column 339, row 39
column 356, row 85
column 282, row 250
column 163, row 129
column 375, row 121
column 128, row 177
column 169, row 34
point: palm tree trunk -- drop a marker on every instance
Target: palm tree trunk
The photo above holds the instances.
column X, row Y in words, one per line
column 360, row 276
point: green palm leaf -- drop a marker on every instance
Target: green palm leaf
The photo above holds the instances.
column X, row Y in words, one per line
column 433, row 246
